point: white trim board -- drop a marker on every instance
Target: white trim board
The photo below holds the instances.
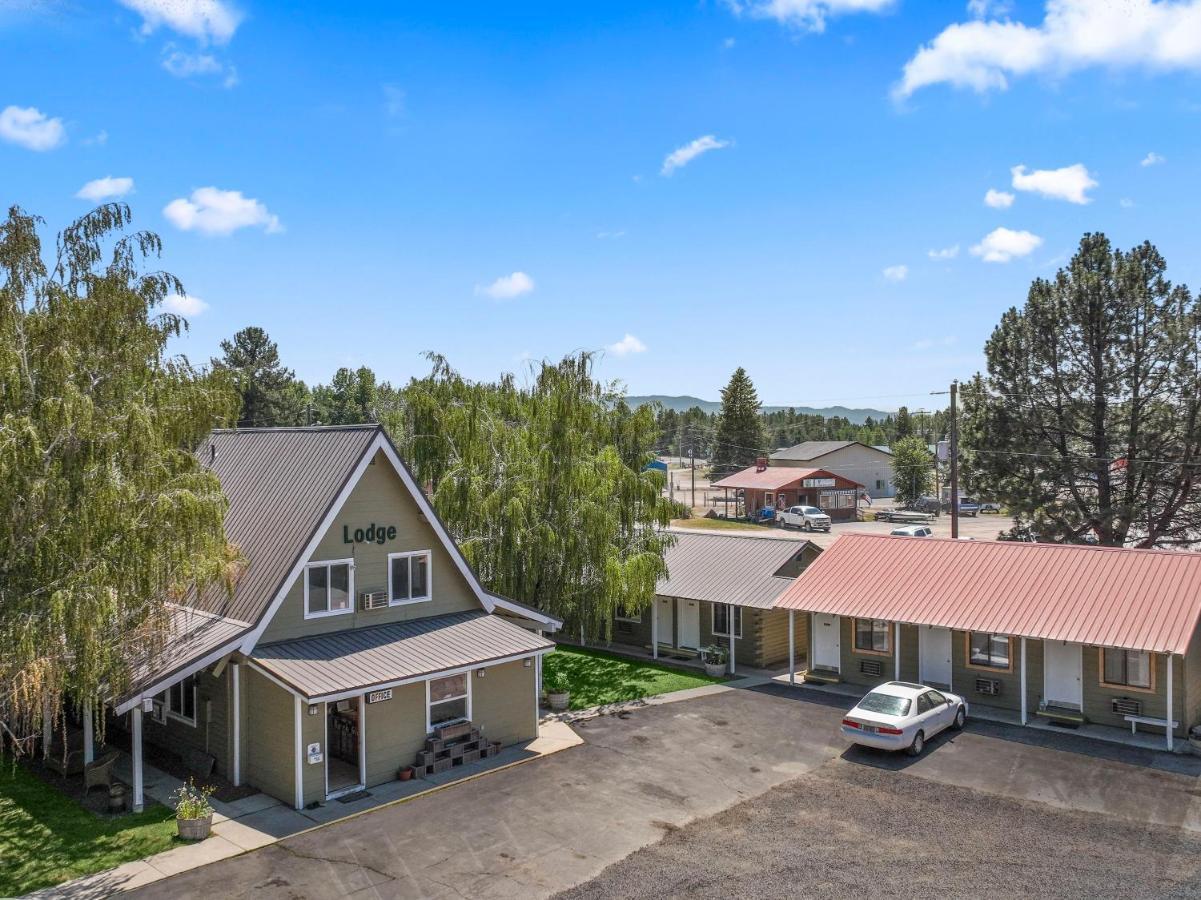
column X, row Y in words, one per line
column 162, row 684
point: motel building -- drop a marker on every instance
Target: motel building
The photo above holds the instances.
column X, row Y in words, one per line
column 779, row 487
column 1096, row 638
column 355, row 630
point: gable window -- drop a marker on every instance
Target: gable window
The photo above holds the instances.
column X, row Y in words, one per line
column 721, row 620
column 328, row 588
column 1127, row 668
column 408, row 577
column 181, row 700
column 988, row 651
column 871, row 635
column 448, row 700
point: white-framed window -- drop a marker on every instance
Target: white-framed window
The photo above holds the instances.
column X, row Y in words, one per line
column 721, row 620
column 409, row 577
column 181, row 700
column 328, row 588
column 447, row 700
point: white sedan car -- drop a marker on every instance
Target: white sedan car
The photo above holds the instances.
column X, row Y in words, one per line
column 903, row 716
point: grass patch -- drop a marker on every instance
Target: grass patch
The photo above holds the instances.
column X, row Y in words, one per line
column 47, row 838
column 704, row 524
column 595, row 677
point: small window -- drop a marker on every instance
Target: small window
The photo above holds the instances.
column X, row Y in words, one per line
column 1127, row 668
column 409, row 577
column 721, row 620
column 448, row 700
column 871, row 635
column 769, row 499
column 327, row 588
column 923, row 704
column 988, row 651
column 181, row 700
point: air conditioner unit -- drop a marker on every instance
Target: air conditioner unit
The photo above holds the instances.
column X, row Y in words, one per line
column 1126, row 706
column 871, row 667
column 158, row 712
column 373, row 599
column 989, row 686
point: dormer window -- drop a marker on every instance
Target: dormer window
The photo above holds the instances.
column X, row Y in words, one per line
column 328, row 588
column 409, row 577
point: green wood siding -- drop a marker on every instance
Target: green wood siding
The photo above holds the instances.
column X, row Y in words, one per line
column 209, row 735
column 1098, row 697
column 395, row 732
column 850, row 659
column 271, row 742
column 503, row 702
column 312, row 731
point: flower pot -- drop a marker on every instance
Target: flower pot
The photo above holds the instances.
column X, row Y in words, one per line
column 405, row 773
column 715, row 670
column 195, row 829
column 116, row 798
column 558, row 700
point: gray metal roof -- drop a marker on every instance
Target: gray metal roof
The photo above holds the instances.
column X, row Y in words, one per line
column 811, row 449
column 280, row 483
column 363, row 658
column 725, row 568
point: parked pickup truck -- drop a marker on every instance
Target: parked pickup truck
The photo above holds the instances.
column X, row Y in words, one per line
column 809, row 518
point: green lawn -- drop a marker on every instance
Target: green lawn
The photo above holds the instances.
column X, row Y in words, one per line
column 595, row 677
column 47, row 838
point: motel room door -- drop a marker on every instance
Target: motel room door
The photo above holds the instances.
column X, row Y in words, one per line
column 934, row 651
column 690, row 624
column 1062, row 682
column 667, row 621
column 827, row 642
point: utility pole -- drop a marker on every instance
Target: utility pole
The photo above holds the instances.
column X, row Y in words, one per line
column 692, row 462
column 954, row 461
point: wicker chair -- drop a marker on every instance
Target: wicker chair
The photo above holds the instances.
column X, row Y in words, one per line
column 69, row 762
column 100, row 772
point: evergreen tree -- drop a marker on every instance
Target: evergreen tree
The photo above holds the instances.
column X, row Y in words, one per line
column 902, row 424
column 740, row 438
column 912, row 469
column 270, row 395
column 105, row 511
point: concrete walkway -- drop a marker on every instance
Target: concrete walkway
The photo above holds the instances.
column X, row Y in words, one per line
column 259, row 820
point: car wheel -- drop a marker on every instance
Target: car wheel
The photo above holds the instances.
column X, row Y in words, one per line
column 918, row 745
column 959, row 717
column 808, row 526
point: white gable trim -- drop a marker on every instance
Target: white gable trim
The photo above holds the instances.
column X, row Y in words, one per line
column 162, row 684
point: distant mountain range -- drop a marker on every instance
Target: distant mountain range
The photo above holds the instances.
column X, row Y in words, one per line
column 682, row 404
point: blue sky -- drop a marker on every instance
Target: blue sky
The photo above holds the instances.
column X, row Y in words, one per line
column 398, row 164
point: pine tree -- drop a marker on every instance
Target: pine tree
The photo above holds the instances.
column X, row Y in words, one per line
column 740, row 438
column 912, row 469
column 269, row 391
column 902, row 424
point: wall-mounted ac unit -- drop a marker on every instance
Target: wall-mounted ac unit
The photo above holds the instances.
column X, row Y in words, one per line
column 158, row 712
column 373, row 599
column 989, row 686
column 872, row 667
column 1126, row 706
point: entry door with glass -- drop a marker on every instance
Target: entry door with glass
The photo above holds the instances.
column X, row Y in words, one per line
column 343, row 756
column 690, row 624
column 1062, row 684
column 827, row 642
column 935, row 652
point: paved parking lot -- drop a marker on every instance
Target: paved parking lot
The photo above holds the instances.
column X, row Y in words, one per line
column 989, row 810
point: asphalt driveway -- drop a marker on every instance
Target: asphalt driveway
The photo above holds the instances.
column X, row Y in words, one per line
column 560, row 822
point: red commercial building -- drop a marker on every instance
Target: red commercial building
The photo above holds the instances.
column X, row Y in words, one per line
column 779, row 487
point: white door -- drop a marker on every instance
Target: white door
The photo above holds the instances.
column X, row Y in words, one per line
column 827, row 643
column 934, row 648
column 667, row 634
column 1061, row 674
column 690, row 624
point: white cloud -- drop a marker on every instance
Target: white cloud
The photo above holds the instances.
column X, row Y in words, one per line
column 989, row 9
column 628, row 344
column 682, row 156
column 31, row 128
column 1071, row 183
column 1152, row 159
column 184, row 304
column 1126, row 203
column 944, row 253
column 1001, row 245
column 204, row 20
column 728, row 43
column 507, row 286
column 1154, row 35
column 99, row 139
column 896, row 273
column 182, row 64
column 105, row 188
column 213, row 211
column 810, row 15
column 998, row 199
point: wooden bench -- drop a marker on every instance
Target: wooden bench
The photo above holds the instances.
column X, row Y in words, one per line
column 1136, row 721
column 1059, row 714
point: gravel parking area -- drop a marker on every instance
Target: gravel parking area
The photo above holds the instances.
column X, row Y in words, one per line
column 854, row 830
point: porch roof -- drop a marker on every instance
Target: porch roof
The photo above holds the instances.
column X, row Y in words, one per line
column 1104, row 596
column 357, row 659
column 727, row 568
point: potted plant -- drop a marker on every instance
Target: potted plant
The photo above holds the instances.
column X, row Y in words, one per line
column 714, row 658
column 193, row 812
column 557, row 694
column 404, row 773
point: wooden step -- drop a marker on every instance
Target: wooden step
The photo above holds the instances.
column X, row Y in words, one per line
column 822, row 676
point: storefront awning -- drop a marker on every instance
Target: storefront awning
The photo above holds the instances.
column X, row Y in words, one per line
column 342, row 663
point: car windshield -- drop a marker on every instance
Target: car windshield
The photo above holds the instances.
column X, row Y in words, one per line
column 811, row 511
column 885, row 704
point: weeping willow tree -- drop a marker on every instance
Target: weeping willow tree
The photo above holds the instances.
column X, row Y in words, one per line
column 105, row 513
column 544, row 486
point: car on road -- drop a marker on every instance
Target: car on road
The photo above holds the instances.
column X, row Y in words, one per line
column 990, row 507
column 967, row 506
column 926, row 505
column 913, row 531
column 808, row 518
column 899, row 715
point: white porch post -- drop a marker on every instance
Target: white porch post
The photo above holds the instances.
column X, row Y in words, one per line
column 730, row 628
column 792, row 646
column 1023, row 688
column 235, row 681
column 896, row 652
column 921, row 640
column 139, row 800
column 809, row 662
column 1169, row 716
column 655, row 629
column 298, row 716
column 89, row 749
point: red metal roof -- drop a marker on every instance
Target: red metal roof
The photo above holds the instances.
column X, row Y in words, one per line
column 773, row 478
column 1110, row 597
